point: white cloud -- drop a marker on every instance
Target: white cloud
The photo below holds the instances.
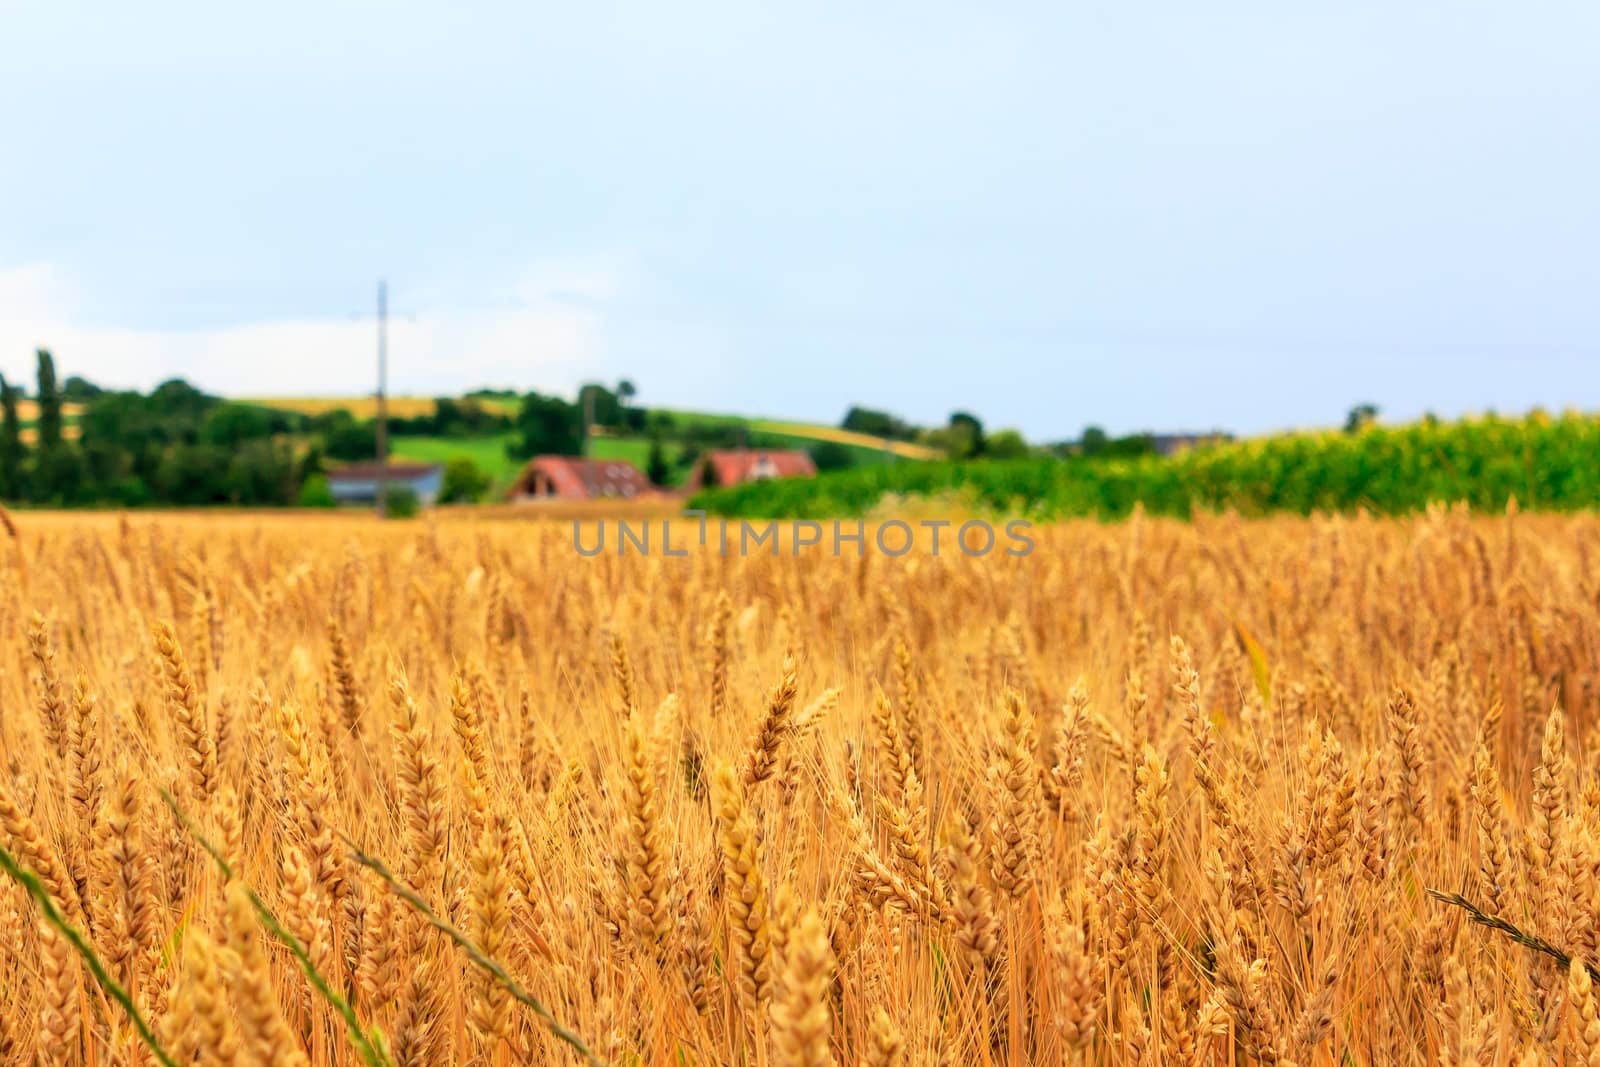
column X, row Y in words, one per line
column 563, row 322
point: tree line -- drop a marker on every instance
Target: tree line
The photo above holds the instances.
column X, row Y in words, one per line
column 174, row 445
column 963, row 437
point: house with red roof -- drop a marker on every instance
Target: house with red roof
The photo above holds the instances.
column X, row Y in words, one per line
column 577, row 478
column 750, row 465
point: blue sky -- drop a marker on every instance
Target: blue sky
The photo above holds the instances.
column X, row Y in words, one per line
column 1143, row 215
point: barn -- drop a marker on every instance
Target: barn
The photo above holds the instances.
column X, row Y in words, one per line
column 357, row 483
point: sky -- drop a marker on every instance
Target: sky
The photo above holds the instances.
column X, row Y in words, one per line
column 1140, row 215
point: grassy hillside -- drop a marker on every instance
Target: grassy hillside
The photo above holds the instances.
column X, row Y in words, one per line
column 489, row 453
column 867, row 448
column 1544, row 462
column 636, row 450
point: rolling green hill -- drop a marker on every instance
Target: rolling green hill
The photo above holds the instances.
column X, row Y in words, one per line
column 489, row 452
column 806, row 434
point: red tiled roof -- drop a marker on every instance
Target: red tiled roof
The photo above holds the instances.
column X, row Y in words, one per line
column 366, row 472
column 576, row 478
column 752, row 464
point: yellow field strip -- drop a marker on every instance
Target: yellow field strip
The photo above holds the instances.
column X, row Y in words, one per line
column 69, row 431
column 903, row 449
column 28, row 410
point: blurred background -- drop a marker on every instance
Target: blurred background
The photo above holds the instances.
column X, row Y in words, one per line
column 1145, row 216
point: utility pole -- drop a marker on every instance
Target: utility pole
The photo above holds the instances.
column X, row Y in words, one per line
column 383, row 410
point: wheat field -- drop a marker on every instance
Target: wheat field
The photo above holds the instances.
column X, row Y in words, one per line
column 1157, row 793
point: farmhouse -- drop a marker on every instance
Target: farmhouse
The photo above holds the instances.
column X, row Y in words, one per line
column 750, row 465
column 577, row 478
column 357, row 483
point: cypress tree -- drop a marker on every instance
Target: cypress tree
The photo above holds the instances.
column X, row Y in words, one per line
column 49, row 405
column 11, row 450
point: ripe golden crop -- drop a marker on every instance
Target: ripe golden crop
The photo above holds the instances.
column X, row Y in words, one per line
column 1157, row 792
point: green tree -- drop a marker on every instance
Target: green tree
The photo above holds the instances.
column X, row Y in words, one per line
column 457, row 418
column 832, row 456
column 176, row 398
column 547, row 426
column 352, row 441
column 464, row 482
column 964, row 436
column 58, row 476
column 876, row 423
column 128, row 492
column 49, row 404
column 12, row 453
column 311, row 463
column 231, row 425
column 688, row 458
column 260, row 474
column 315, row 492
column 631, row 418
column 403, row 502
column 78, row 390
column 1133, row 444
column 1093, row 441
column 656, row 467
column 601, row 403
column 1006, row 444
column 193, row 476
column 127, row 436
column 1360, row 417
